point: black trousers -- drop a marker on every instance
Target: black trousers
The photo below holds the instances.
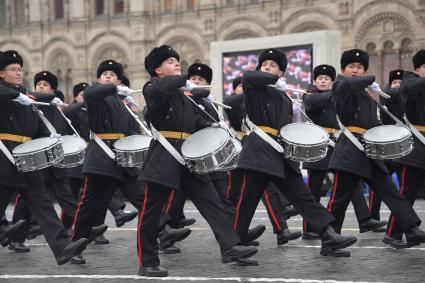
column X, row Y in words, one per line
column 345, row 185
column 315, row 182
column 411, row 182
column 292, row 187
column 42, row 210
column 148, row 202
column 272, row 198
column 60, row 190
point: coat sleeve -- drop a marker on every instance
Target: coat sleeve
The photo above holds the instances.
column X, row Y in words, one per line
column 73, row 109
column 42, row 97
column 99, row 91
column 252, row 81
column 8, row 93
column 316, row 101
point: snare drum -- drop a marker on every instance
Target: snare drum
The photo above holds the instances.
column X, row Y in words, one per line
column 131, row 151
column 387, row 142
column 74, row 149
column 233, row 161
column 37, row 154
column 304, row 142
column 207, row 150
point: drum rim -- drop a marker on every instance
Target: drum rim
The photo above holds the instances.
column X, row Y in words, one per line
column 35, row 151
column 408, row 136
column 305, row 145
column 229, row 139
column 136, row 150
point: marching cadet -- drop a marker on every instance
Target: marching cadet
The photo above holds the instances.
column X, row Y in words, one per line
column 277, row 206
column 319, row 107
column 109, row 120
column 271, row 109
column 19, row 123
column 171, row 112
column 394, row 106
column 357, row 110
column 412, row 165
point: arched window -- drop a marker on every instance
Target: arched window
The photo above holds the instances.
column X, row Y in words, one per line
column 375, row 66
column 59, row 11
column 19, row 12
column 390, row 60
column 191, row 4
column 168, row 6
column 406, row 54
column 118, row 6
column 99, row 7
column 2, row 13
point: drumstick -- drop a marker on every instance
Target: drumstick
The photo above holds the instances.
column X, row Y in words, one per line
column 222, row 105
column 41, row 103
column 292, row 89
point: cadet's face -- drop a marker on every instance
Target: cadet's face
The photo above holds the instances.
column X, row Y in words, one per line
column 44, row 87
column 109, row 77
column 396, row 83
column 169, row 67
column 79, row 98
column 12, row 74
column 354, row 70
column 198, row 80
column 238, row 89
column 271, row 67
column 421, row 71
column 323, row 82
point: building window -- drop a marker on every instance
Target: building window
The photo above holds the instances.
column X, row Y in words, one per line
column 230, row 2
column 118, row 6
column 2, row 13
column 19, row 12
column 191, row 4
column 168, row 6
column 59, row 12
column 406, row 54
column 99, row 7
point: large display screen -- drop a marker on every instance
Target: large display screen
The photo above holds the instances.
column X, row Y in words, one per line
column 298, row 73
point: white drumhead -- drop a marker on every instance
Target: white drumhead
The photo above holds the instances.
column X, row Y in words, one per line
column 35, row 145
column 72, row 144
column 131, row 143
column 203, row 142
column 304, row 133
column 386, row 133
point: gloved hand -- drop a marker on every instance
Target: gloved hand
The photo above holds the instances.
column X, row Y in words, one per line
column 282, row 85
column 188, row 86
column 56, row 136
column 210, row 98
column 23, row 99
column 219, row 125
column 129, row 99
column 375, row 87
column 124, row 90
column 57, row 101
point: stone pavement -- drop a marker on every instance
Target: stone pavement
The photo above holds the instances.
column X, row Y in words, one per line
column 299, row 261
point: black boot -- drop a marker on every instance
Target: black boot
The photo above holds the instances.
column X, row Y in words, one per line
column 237, row 252
column 8, row 233
column 415, row 236
column 168, row 236
column 289, row 211
column 186, row 222
column 170, row 249
column 332, row 242
column 155, row 271
column 311, row 236
column 97, row 231
column 121, row 217
column 254, row 234
column 285, row 236
column 33, row 231
column 72, row 249
column 78, row 259
column 19, row 247
column 101, row 240
column 370, row 225
column 395, row 243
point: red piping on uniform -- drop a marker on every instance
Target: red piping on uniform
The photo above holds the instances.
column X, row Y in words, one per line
column 170, row 201
column 17, row 199
column 308, row 186
column 269, row 206
column 83, row 196
column 229, row 185
column 392, row 218
column 332, row 200
column 139, row 225
column 235, row 224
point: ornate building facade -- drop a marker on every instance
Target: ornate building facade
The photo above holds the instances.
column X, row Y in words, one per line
column 70, row 37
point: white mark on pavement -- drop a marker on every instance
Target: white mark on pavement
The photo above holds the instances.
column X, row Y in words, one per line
column 175, row 278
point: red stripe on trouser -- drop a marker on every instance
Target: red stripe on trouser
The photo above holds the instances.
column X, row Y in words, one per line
column 17, row 199
column 238, row 207
column 167, row 210
column 332, row 200
column 229, row 185
column 141, row 215
column 62, row 216
column 308, row 187
column 371, row 197
column 269, row 206
column 392, row 218
column 83, row 196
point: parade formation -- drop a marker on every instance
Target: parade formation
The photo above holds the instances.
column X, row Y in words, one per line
column 92, row 153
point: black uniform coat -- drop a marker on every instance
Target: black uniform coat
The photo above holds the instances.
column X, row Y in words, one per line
column 19, row 120
column 320, row 109
column 238, row 111
column 265, row 106
column 168, row 110
column 107, row 114
column 412, row 92
column 354, row 108
column 77, row 114
column 53, row 115
column 393, row 104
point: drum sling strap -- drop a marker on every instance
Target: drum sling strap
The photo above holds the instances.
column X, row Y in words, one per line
column 349, row 135
column 102, row 144
column 167, row 145
column 415, row 130
column 262, row 134
column 6, row 152
column 11, row 137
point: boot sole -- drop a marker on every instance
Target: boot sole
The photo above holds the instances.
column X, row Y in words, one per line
column 342, row 245
column 98, row 233
column 335, row 254
column 16, row 231
column 169, row 242
column 78, row 250
column 122, row 222
column 257, row 235
column 228, row 259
